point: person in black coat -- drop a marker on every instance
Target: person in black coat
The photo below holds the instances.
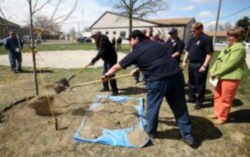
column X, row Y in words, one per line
column 107, row 53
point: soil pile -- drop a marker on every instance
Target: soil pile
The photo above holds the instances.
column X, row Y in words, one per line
column 47, row 105
column 110, row 115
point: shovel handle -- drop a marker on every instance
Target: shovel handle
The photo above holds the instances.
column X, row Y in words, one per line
column 71, row 77
column 77, row 73
column 100, row 80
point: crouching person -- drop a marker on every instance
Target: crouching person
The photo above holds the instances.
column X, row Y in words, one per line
column 164, row 79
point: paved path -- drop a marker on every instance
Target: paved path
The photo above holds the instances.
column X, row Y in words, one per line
column 59, row 59
column 68, row 59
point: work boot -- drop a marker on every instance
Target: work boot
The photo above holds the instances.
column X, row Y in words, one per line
column 191, row 100
column 189, row 140
column 14, row 70
column 114, row 93
column 19, row 70
column 198, row 105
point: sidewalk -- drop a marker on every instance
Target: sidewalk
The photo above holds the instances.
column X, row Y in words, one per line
column 59, row 59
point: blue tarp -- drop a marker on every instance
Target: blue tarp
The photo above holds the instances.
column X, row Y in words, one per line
column 118, row 137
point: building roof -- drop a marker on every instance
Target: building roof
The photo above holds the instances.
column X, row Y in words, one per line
column 218, row 34
column 162, row 22
column 6, row 22
column 173, row 21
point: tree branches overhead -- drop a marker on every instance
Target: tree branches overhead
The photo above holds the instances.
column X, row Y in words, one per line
column 140, row 8
column 54, row 10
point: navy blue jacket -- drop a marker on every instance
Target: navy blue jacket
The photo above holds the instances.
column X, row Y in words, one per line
column 153, row 59
column 199, row 48
column 11, row 44
column 175, row 46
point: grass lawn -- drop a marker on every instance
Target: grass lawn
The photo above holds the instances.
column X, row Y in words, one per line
column 26, row 134
column 70, row 46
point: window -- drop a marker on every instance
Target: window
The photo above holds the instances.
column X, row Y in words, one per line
column 123, row 34
column 114, row 32
column 106, row 33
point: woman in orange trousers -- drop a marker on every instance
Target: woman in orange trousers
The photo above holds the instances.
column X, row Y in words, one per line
column 229, row 69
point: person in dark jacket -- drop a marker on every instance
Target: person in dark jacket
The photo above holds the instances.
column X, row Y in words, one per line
column 119, row 43
column 164, row 79
column 199, row 52
column 107, row 53
column 14, row 47
column 114, row 42
column 175, row 45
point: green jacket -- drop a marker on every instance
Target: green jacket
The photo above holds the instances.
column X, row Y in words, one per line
column 231, row 63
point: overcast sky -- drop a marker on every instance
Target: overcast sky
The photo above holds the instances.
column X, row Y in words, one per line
column 88, row 11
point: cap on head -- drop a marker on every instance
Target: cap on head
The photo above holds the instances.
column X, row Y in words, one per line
column 136, row 33
column 96, row 34
column 172, row 31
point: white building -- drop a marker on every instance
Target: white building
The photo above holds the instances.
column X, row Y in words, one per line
column 115, row 25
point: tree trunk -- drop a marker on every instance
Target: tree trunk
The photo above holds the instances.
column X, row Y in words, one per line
column 32, row 47
column 130, row 17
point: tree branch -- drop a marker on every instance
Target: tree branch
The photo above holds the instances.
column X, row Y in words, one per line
column 70, row 12
column 35, row 5
column 55, row 11
column 41, row 7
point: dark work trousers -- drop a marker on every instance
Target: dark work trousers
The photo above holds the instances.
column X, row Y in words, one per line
column 15, row 59
column 113, row 84
column 172, row 89
column 197, row 82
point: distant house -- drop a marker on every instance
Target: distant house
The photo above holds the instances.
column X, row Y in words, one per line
column 221, row 36
column 7, row 26
column 115, row 25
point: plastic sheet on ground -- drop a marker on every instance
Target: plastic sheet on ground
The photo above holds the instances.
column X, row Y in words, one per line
column 117, row 137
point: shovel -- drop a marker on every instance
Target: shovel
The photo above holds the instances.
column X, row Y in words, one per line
column 64, row 83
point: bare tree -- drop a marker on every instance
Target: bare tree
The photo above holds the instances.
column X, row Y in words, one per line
column 34, row 8
column 45, row 23
column 139, row 8
column 48, row 28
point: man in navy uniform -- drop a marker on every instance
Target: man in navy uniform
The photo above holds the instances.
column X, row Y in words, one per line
column 175, row 45
column 14, row 46
column 199, row 52
column 107, row 52
column 164, row 79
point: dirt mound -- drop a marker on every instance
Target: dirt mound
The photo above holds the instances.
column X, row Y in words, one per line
column 45, row 105
column 109, row 115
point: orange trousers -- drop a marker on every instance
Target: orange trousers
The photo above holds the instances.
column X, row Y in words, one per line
column 223, row 97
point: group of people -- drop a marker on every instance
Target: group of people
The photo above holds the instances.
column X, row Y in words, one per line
column 160, row 64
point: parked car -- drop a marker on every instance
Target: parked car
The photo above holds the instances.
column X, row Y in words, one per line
column 84, row 40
